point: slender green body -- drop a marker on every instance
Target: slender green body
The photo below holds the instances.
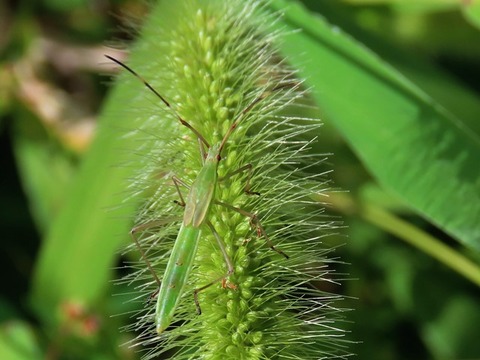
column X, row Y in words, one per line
column 197, row 206
column 176, row 274
column 199, row 200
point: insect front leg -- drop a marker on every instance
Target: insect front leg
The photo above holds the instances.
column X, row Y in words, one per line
column 228, row 261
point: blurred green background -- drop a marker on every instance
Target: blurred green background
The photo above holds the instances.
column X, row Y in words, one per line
column 411, row 297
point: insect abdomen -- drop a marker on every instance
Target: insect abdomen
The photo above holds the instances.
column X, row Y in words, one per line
column 176, row 275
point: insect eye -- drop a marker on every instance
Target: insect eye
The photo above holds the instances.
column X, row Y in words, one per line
column 219, row 158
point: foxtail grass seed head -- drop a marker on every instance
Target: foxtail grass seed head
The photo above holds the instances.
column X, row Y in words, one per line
column 212, row 60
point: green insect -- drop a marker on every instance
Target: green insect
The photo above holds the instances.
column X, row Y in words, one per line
column 200, row 198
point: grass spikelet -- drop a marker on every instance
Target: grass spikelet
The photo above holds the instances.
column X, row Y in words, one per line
column 211, row 59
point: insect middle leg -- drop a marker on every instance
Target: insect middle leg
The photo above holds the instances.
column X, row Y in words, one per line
column 228, row 261
column 177, row 181
column 143, row 227
column 156, row 223
column 246, row 167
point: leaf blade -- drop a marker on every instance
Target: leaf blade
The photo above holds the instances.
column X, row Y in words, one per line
column 414, row 147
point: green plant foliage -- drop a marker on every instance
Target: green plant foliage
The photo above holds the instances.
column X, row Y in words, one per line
column 471, row 9
column 17, row 342
column 408, row 141
column 215, row 61
column 396, row 85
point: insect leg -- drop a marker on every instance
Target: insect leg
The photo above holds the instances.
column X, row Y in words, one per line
column 176, row 182
column 246, row 167
column 228, row 261
column 255, row 222
column 142, row 227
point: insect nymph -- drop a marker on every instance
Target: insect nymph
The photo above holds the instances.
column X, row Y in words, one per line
column 200, row 198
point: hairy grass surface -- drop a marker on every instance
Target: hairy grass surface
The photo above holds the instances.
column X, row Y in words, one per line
column 211, row 60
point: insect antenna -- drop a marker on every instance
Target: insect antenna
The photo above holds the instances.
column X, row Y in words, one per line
column 153, row 90
column 249, row 107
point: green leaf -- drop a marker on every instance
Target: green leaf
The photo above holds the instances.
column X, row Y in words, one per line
column 471, row 11
column 44, row 168
column 410, row 143
column 454, row 333
column 17, row 342
column 77, row 256
column 410, row 5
